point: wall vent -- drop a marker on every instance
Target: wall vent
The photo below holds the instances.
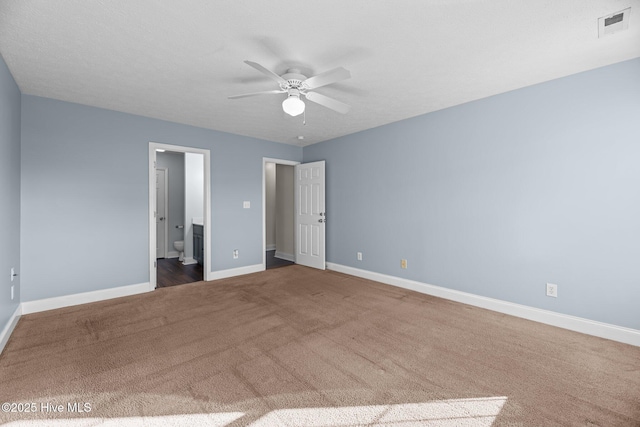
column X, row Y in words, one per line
column 613, row 23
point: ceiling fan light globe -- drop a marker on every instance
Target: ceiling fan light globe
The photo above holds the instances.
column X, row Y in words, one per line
column 293, row 106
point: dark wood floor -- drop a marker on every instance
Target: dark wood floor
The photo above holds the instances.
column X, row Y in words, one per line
column 172, row 272
column 273, row 262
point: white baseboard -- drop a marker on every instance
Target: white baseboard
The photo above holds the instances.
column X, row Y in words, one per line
column 285, row 256
column 232, row 272
column 35, row 306
column 271, row 247
column 189, row 261
column 578, row 324
column 9, row 327
column 83, row 298
column 173, row 254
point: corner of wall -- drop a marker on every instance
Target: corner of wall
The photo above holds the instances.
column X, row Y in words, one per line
column 10, row 200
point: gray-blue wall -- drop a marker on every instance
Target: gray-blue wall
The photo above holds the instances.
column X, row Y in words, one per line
column 498, row 197
column 174, row 163
column 85, row 195
column 9, row 192
column 495, row 197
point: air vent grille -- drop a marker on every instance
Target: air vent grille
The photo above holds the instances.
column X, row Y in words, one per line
column 613, row 20
column 613, row 23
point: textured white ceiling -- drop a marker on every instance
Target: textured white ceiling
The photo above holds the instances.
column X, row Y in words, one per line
column 180, row 60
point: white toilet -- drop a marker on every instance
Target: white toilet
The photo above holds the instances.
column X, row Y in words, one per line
column 179, row 245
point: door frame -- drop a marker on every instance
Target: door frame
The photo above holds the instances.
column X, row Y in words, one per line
column 166, row 210
column 153, row 146
column 266, row 160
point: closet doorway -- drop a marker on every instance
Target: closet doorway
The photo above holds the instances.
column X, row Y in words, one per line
column 278, row 213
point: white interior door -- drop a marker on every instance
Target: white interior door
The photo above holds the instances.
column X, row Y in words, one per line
column 161, row 213
column 310, row 214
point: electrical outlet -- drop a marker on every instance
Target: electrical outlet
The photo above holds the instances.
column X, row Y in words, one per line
column 552, row 290
column 359, row 256
column 235, row 254
column 403, row 263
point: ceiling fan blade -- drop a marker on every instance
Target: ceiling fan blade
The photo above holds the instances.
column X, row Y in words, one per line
column 266, row 92
column 325, row 101
column 326, row 78
column 267, row 72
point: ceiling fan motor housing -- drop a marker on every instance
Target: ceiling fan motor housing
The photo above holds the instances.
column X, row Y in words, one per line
column 294, row 78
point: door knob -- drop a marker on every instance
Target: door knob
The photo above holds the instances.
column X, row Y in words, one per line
column 161, row 218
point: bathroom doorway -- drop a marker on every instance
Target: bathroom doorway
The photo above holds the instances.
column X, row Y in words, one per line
column 180, row 234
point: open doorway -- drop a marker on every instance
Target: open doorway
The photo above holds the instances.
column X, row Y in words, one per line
column 179, row 212
column 278, row 213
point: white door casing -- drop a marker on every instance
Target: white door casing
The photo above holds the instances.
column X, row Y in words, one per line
column 310, row 214
column 161, row 213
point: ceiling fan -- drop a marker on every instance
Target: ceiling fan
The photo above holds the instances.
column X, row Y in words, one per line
column 295, row 84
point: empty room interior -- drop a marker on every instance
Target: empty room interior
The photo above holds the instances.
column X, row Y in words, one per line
column 378, row 213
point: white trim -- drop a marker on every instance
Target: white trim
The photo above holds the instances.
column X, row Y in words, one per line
column 83, row 298
column 266, row 160
column 166, row 211
column 282, row 255
column 271, row 247
column 578, row 324
column 152, row 201
column 233, row 272
column 9, row 327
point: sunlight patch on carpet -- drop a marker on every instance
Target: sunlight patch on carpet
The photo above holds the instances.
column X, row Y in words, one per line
column 195, row 420
column 479, row 412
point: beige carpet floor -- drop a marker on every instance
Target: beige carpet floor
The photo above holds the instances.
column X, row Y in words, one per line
column 296, row 346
